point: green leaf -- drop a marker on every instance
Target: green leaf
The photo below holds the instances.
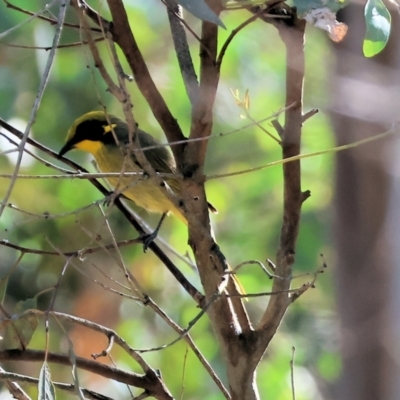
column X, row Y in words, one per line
column 378, row 20
column 4, row 280
column 46, row 388
column 19, row 329
column 74, row 370
column 201, row 10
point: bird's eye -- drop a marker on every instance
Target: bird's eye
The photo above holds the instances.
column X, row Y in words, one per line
column 108, row 128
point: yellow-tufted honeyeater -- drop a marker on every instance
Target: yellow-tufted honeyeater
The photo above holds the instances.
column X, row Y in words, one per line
column 94, row 132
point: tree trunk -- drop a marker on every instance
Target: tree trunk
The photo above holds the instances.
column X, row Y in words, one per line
column 366, row 103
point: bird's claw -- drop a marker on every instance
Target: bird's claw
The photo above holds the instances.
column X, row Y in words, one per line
column 148, row 239
column 109, row 200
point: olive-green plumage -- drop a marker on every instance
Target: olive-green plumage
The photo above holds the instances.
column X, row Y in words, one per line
column 94, row 132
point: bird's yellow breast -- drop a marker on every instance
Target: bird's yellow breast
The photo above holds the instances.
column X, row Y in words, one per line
column 144, row 191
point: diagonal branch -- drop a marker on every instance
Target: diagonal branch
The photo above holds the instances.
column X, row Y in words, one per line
column 38, row 99
column 293, row 37
column 182, row 50
column 17, row 392
column 150, row 381
column 123, row 36
column 190, row 289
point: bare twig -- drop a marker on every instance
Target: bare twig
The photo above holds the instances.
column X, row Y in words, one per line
column 75, row 253
column 293, row 37
column 89, row 394
column 256, row 262
column 150, row 382
column 106, row 351
column 32, row 16
column 310, row 114
column 13, row 387
column 47, row 48
column 278, row 127
column 42, row 17
column 182, row 50
column 392, row 131
column 196, row 295
column 232, row 35
column 124, row 37
column 42, row 87
column 292, row 373
column 192, row 345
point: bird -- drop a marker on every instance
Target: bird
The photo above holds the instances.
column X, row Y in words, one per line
column 106, row 137
column 94, row 132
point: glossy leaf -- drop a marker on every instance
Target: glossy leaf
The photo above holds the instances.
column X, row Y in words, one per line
column 378, row 20
column 46, row 388
column 201, row 10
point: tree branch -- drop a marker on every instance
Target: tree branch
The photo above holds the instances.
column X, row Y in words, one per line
column 123, row 36
column 149, row 382
column 293, row 37
column 20, row 395
column 182, row 50
column 191, row 290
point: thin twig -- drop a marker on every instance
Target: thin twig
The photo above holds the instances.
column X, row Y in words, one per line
column 42, row 17
column 192, row 345
column 292, row 373
column 75, row 253
column 89, row 394
column 83, row 175
column 190, row 325
column 310, row 114
column 193, row 292
column 392, row 131
column 106, row 351
column 60, row 46
column 32, row 17
column 136, row 287
column 293, row 37
column 256, row 262
column 123, row 36
column 232, row 35
column 42, row 87
column 35, row 156
column 182, row 50
column 151, row 381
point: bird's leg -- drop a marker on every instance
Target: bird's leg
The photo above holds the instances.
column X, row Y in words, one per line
column 109, row 200
column 149, row 237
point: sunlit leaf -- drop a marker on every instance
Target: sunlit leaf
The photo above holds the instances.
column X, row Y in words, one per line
column 201, row 10
column 74, row 371
column 19, row 329
column 46, row 388
column 378, row 20
column 246, row 100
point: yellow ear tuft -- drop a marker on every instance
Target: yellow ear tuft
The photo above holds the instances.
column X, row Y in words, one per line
column 109, row 128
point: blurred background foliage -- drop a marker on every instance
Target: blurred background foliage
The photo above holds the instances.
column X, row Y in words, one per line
column 63, row 214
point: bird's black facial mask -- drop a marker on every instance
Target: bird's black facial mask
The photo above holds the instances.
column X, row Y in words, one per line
column 92, row 130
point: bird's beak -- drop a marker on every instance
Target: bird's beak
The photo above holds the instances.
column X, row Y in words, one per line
column 66, row 148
